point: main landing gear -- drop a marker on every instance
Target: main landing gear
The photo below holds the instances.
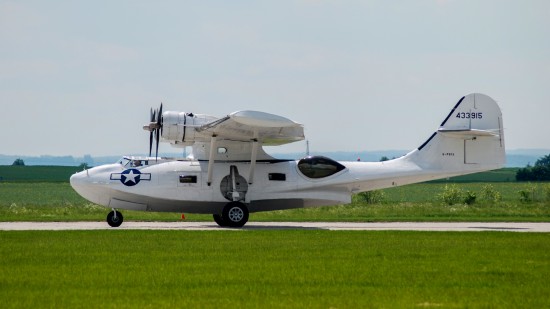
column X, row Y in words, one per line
column 234, row 214
column 115, row 218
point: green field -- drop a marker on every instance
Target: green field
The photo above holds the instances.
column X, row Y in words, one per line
column 22, row 201
column 9, row 173
column 274, row 269
column 501, row 175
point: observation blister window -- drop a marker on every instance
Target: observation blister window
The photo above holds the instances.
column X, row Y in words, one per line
column 319, row 167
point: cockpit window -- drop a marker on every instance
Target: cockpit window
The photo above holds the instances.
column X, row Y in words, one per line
column 319, row 167
column 124, row 161
column 133, row 162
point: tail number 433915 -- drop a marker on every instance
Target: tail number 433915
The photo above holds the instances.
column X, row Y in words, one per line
column 463, row 115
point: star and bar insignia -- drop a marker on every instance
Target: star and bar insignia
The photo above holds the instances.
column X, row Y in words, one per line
column 131, row 177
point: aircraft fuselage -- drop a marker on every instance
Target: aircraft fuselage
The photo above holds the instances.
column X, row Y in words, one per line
column 181, row 186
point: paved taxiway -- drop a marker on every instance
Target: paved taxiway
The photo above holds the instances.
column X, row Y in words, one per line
column 363, row 226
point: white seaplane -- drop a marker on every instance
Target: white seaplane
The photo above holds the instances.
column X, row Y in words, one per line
column 229, row 174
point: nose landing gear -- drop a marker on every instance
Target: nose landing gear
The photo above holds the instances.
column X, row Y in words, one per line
column 115, row 218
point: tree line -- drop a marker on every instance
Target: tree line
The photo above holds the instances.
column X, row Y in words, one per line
column 539, row 172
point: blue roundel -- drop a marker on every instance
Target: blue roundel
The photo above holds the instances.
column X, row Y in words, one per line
column 130, row 177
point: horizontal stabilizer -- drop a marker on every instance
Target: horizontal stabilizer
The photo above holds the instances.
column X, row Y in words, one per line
column 468, row 134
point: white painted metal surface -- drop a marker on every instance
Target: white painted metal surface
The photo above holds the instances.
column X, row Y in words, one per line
column 226, row 150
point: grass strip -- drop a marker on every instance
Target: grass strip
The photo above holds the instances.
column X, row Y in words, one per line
column 274, row 269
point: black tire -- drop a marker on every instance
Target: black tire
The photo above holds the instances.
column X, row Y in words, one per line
column 235, row 214
column 219, row 220
column 115, row 222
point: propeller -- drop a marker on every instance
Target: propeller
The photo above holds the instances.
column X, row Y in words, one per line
column 155, row 129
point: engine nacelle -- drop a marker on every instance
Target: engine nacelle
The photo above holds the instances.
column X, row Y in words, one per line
column 179, row 128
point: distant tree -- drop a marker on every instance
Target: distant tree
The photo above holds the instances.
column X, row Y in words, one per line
column 525, row 174
column 18, row 162
column 384, row 158
column 539, row 172
column 88, row 159
column 84, row 166
column 544, row 161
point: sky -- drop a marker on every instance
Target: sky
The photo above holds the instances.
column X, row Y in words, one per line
column 79, row 77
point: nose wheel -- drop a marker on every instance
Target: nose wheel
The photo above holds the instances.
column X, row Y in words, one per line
column 115, row 218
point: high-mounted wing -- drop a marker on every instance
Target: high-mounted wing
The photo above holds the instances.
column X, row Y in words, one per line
column 256, row 128
column 268, row 129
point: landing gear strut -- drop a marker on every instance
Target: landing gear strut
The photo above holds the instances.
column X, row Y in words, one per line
column 115, row 218
column 234, row 214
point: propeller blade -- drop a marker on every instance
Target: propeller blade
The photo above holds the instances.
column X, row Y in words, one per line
column 153, row 115
column 158, row 138
column 150, row 143
column 159, row 123
column 160, row 115
column 155, row 129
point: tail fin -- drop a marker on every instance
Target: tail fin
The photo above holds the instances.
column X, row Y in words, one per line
column 470, row 139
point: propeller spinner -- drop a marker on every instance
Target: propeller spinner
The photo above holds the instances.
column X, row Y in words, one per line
column 155, row 129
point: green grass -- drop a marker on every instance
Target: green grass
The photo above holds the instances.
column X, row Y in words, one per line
column 37, row 173
column 507, row 174
column 418, row 202
column 273, row 269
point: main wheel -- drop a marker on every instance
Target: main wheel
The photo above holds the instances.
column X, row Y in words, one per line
column 115, row 220
column 235, row 214
column 219, row 220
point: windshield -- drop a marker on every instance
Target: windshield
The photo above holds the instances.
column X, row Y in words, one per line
column 124, row 161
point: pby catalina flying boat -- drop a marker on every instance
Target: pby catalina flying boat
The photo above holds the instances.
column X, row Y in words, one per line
column 229, row 174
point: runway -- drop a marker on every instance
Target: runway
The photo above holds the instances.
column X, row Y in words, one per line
column 250, row 226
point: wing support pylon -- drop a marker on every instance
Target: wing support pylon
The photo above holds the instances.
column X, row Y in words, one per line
column 213, row 141
column 253, row 158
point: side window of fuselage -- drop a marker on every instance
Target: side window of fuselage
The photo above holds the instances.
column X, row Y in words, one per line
column 188, row 178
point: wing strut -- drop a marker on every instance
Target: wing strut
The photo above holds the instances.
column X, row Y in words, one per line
column 211, row 158
column 255, row 145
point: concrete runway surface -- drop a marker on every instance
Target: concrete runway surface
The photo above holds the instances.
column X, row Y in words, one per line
column 349, row 226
